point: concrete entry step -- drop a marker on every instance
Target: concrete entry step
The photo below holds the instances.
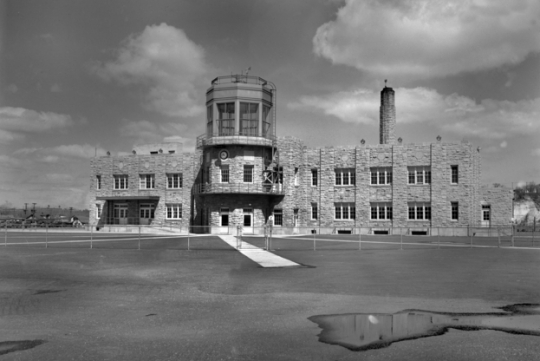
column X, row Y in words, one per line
column 259, row 255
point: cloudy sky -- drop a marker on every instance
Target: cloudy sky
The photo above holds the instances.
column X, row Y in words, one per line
column 80, row 77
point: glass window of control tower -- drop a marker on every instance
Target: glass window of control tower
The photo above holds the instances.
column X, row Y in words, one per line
column 249, row 119
column 226, row 118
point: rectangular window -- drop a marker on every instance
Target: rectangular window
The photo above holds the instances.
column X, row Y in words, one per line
column 121, row 181
column 381, row 175
column 419, row 175
column 248, row 174
column 419, row 211
column 98, row 211
column 249, row 119
column 226, row 113
column 314, row 177
column 295, row 176
column 266, row 120
column 147, row 181
column 314, row 211
column 345, row 177
column 455, row 174
column 344, row 211
column 381, row 210
column 455, row 211
column 209, row 120
column 278, row 217
column 98, row 182
column 224, row 173
column 174, row 180
column 224, row 214
column 174, row 211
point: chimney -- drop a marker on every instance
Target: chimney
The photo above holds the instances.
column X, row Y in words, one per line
column 387, row 116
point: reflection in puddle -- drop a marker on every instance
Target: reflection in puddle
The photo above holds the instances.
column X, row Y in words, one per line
column 362, row 331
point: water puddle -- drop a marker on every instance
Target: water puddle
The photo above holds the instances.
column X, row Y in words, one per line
column 12, row 346
column 363, row 331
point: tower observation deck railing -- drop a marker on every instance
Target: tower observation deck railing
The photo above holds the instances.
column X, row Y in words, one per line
column 235, row 138
column 239, row 188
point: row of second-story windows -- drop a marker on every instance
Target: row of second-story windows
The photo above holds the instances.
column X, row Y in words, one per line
column 248, row 172
column 381, row 176
column 172, row 211
column 146, row 181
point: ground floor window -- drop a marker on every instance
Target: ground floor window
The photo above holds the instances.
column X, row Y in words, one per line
column 344, row 211
column 98, row 211
column 381, row 210
column 314, row 211
column 174, row 211
column 278, row 217
column 455, row 211
column 420, row 211
column 224, row 214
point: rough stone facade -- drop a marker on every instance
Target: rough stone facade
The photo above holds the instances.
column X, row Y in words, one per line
column 392, row 186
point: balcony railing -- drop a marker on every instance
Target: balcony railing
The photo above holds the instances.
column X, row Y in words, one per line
column 235, row 138
column 239, row 188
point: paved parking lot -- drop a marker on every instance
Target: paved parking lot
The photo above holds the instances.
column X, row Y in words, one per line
column 115, row 302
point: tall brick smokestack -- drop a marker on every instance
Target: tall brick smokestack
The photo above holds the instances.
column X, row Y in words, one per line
column 387, row 116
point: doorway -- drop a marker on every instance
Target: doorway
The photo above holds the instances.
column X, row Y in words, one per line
column 146, row 213
column 120, row 213
column 248, row 220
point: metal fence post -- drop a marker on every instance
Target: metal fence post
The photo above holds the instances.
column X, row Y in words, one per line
column 513, row 230
column 470, row 234
column 438, row 237
column 314, row 244
column 47, row 237
column 5, row 235
column 499, row 235
column 188, row 241
column 139, row 247
column 91, row 236
column 360, row 239
column 401, row 238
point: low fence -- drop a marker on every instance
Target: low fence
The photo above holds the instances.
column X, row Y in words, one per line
column 269, row 238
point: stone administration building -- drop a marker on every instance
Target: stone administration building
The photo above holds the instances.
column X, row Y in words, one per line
column 242, row 173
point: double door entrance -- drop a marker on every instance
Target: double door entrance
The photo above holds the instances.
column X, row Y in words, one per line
column 146, row 213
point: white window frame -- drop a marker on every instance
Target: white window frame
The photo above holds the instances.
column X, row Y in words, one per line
column 314, row 177
column 344, row 211
column 420, row 175
column 121, row 182
column 345, row 177
column 173, row 211
column 419, row 208
column 385, row 172
column 381, row 207
column 98, row 211
column 175, row 178
column 296, row 176
column 147, row 181
column 98, row 182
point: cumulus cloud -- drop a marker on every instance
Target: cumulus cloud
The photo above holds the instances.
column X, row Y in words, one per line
column 454, row 113
column 14, row 122
column 423, row 38
column 163, row 59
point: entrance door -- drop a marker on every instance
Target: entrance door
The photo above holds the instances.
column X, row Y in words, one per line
column 146, row 212
column 121, row 213
column 248, row 220
column 295, row 221
column 486, row 215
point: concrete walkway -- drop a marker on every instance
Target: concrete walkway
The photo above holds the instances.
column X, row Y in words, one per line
column 259, row 255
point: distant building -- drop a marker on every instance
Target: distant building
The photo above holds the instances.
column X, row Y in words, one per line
column 243, row 174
